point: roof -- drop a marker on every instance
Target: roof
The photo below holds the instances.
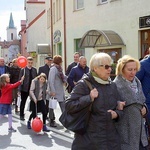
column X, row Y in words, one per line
column 11, row 22
column 100, row 38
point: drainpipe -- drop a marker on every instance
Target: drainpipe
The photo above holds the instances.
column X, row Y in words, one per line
column 64, row 16
column 51, row 31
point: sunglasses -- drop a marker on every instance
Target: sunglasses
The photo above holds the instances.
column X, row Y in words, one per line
column 106, row 66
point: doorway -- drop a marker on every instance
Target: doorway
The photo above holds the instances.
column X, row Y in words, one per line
column 115, row 54
column 145, row 42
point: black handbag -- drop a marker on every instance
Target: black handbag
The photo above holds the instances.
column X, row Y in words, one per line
column 78, row 121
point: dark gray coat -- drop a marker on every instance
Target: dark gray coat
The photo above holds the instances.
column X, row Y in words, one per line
column 36, row 91
column 25, row 86
column 44, row 69
column 101, row 132
column 131, row 125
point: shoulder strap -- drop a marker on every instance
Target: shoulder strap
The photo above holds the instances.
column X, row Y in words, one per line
column 88, row 84
column 91, row 88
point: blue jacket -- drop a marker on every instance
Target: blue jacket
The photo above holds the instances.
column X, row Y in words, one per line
column 144, row 76
column 76, row 74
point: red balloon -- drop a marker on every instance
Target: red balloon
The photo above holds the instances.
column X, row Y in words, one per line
column 37, row 124
column 22, row 62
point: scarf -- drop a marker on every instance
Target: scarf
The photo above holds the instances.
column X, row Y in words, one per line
column 99, row 80
column 60, row 71
column 133, row 85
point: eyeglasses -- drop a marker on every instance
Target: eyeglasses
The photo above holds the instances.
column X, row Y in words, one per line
column 106, row 66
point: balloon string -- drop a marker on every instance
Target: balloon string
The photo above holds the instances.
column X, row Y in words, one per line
column 36, row 108
column 24, row 72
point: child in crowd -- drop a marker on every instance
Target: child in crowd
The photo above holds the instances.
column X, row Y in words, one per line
column 38, row 96
column 6, row 98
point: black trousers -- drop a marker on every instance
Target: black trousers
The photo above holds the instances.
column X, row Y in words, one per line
column 39, row 107
column 24, row 96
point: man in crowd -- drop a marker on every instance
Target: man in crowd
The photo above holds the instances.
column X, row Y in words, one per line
column 3, row 68
column 73, row 64
column 14, row 76
column 29, row 73
column 70, row 66
column 144, row 76
column 77, row 72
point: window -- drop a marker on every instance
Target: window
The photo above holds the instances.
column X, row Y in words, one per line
column 115, row 54
column 58, row 9
column 12, row 36
column 102, row 1
column 145, row 42
column 79, row 4
column 77, row 49
column 59, row 49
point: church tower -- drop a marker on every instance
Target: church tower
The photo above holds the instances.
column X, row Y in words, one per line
column 11, row 30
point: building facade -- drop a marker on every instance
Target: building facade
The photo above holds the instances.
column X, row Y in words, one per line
column 113, row 26
column 36, row 30
column 118, row 27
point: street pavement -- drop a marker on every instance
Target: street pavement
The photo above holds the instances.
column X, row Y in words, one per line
column 58, row 138
column 26, row 139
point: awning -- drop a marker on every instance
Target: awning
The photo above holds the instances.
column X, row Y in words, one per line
column 100, row 38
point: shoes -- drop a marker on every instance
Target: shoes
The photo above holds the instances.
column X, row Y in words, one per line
column 11, row 129
column 29, row 125
column 53, row 124
column 45, row 128
column 22, row 118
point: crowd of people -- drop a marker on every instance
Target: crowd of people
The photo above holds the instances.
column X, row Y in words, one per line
column 119, row 109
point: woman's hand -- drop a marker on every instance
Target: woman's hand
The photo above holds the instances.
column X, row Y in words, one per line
column 120, row 105
column 114, row 115
column 35, row 101
column 52, row 93
column 94, row 94
column 143, row 111
column 65, row 84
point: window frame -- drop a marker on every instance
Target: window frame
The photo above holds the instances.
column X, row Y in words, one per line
column 101, row 2
column 76, row 47
column 58, row 10
column 76, row 3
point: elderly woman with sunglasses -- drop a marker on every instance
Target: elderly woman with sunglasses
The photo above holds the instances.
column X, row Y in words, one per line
column 131, row 125
column 101, row 133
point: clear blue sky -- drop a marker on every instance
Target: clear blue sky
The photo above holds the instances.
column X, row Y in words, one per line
column 18, row 12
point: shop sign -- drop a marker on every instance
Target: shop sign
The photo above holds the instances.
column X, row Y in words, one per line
column 57, row 35
column 144, row 22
